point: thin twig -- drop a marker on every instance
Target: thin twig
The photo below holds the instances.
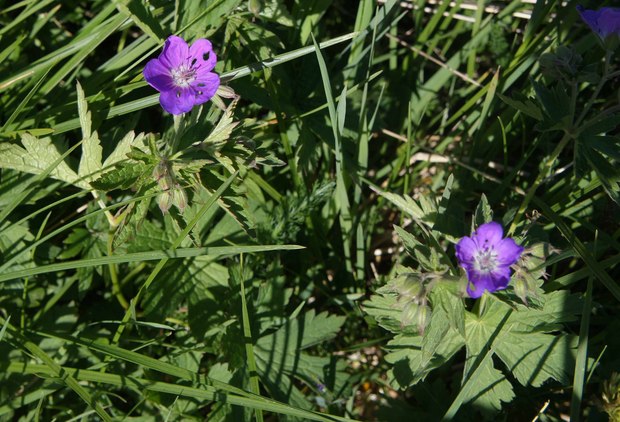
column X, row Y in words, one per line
column 491, row 9
column 434, row 60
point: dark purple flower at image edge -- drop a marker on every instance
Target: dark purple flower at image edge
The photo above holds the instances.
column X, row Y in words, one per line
column 604, row 22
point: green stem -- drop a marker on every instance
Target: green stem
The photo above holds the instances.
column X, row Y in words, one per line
column 568, row 135
column 286, row 143
column 596, row 119
column 22, row 320
column 160, row 265
column 542, row 175
column 407, row 152
column 137, row 270
column 597, row 90
column 116, row 287
column 480, row 305
column 176, row 137
column 574, row 90
column 112, row 221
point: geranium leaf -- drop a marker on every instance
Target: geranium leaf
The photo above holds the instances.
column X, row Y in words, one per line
column 90, row 162
column 35, row 157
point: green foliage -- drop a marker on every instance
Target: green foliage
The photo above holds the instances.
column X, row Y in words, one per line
column 527, row 340
column 280, row 359
column 286, row 251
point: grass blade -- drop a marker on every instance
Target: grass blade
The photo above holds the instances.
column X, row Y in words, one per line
column 205, row 393
column 249, row 344
column 217, row 251
column 57, row 371
column 337, row 121
column 581, row 361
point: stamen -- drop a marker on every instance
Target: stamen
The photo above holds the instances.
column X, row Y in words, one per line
column 183, row 75
column 486, row 260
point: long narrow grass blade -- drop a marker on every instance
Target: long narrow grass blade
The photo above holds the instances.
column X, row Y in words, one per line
column 26, row 13
column 6, row 264
column 177, row 242
column 216, row 251
column 581, row 361
column 23, row 103
column 337, row 122
column 580, row 248
column 57, row 371
column 249, row 344
column 205, row 393
column 6, row 324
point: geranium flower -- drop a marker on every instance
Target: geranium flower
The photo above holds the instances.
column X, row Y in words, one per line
column 487, row 258
column 604, row 22
column 182, row 74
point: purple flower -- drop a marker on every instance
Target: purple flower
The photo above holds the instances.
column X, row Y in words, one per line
column 182, row 74
column 487, row 258
column 604, row 22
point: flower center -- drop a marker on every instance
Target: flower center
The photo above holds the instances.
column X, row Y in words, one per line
column 485, row 260
column 183, row 75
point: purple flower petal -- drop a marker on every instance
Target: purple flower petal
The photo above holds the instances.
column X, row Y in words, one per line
column 488, row 234
column 500, row 278
column 604, row 22
column 465, row 250
column 478, row 283
column 158, row 75
column 205, row 87
column 590, row 17
column 175, row 52
column 609, row 21
column 177, row 101
column 202, row 53
column 508, row 252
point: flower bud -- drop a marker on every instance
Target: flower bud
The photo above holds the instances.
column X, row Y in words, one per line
column 160, row 170
column 417, row 315
column 423, row 318
column 164, row 201
column 225, row 91
column 409, row 314
column 254, row 7
column 218, row 102
column 521, row 289
column 611, row 396
column 563, row 63
column 409, row 287
column 163, row 176
column 179, row 198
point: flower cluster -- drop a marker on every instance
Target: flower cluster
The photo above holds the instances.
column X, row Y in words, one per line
column 486, row 257
column 183, row 74
column 413, row 290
